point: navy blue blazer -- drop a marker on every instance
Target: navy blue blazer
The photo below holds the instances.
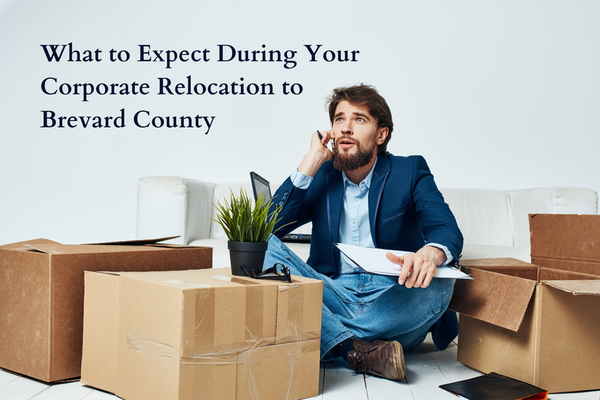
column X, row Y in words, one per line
column 406, row 210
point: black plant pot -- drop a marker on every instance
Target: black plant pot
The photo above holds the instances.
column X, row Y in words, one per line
column 251, row 255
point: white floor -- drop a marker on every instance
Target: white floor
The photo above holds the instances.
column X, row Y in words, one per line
column 427, row 368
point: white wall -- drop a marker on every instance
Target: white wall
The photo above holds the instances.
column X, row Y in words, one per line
column 495, row 94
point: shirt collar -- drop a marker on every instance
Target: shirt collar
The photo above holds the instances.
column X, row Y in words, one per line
column 365, row 182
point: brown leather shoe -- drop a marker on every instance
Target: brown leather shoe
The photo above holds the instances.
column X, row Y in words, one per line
column 380, row 358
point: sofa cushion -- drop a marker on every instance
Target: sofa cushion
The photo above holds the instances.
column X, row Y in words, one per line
column 472, row 251
column 169, row 206
column 483, row 215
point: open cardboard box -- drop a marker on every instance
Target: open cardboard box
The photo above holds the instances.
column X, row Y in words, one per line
column 201, row 334
column 41, row 297
column 539, row 322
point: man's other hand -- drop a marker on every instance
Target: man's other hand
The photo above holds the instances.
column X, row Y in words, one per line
column 418, row 268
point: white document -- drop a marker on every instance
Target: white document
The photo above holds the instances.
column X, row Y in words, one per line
column 374, row 261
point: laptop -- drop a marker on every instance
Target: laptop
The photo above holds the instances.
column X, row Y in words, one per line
column 261, row 187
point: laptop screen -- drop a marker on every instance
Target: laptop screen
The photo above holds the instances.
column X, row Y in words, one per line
column 260, row 186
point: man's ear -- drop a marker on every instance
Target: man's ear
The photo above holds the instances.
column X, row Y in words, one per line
column 382, row 134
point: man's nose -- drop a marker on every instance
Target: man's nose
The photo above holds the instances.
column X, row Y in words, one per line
column 347, row 127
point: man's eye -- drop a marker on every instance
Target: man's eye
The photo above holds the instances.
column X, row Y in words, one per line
column 360, row 119
column 338, row 120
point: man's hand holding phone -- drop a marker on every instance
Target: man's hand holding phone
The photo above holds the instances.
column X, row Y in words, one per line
column 318, row 153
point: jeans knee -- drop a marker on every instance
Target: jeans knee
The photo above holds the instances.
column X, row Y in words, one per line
column 442, row 289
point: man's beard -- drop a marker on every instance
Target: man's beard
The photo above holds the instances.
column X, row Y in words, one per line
column 346, row 162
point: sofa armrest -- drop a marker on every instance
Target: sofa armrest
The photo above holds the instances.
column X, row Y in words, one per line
column 169, row 206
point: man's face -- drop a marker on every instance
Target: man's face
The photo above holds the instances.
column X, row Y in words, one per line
column 356, row 136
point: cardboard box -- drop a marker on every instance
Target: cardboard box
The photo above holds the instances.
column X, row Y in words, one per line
column 540, row 322
column 41, row 297
column 201, row 334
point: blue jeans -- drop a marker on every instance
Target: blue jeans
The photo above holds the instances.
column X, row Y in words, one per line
column 368, row 306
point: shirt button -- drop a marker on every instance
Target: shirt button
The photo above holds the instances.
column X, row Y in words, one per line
column 354, row 221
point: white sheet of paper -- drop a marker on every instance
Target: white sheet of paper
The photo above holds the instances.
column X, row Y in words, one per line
column 374, row 261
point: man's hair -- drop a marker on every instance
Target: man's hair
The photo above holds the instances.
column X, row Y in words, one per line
column 364, row 95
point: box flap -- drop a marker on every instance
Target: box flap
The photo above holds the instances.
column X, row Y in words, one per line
column 507, row 266
column 40, row 244
column 565, row 237
column 577, row 288
column 47, row 248
column 58, row 248
column 493, row 297
column 137, row 242
column 23, row 246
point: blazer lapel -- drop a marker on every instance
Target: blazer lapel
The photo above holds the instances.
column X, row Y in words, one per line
column 335, row 193
column 380, row 175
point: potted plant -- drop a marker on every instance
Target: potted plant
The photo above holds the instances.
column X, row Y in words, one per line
column 248, row 229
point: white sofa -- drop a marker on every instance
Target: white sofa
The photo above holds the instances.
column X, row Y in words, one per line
column 494, row 223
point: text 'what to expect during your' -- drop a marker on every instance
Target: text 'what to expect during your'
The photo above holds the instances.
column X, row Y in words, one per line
column 224, row 53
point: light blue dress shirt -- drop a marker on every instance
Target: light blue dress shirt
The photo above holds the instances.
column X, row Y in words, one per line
column 355, row 228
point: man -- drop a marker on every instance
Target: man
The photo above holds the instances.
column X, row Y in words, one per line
column 360, row 194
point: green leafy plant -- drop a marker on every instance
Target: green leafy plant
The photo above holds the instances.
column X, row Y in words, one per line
column 244, row 223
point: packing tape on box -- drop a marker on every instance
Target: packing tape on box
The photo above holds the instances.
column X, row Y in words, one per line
column 278, row 367
column 152, row 348
column 223, row 357
column 148, row 347
column 289, row 314
column 292, row 316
